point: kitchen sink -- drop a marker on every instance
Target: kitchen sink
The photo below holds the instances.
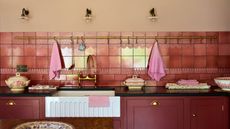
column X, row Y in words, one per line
column 76, row 103
column 65, row 93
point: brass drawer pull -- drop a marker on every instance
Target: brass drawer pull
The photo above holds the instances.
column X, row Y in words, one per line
column 155, row 103
column 11, row 103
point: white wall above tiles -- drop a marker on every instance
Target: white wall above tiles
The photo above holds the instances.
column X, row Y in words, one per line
column 116, row 15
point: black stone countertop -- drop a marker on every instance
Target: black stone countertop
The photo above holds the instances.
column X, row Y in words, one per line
column 162, row 91
column 6, row 92
column 121, row 91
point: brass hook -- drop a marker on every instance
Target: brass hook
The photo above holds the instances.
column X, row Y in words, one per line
column 55, row 38
column 72, row 40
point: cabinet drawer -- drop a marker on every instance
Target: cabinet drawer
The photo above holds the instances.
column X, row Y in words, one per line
column 21, row 108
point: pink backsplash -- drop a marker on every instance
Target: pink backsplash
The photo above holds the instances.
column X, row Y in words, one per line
column 183, row 59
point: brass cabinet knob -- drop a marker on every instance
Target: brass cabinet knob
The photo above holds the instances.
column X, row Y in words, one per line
column 154, row 103
column 193, row 115
column 10, row 103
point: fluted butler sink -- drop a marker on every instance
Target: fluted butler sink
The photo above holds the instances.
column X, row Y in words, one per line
column 75, row 103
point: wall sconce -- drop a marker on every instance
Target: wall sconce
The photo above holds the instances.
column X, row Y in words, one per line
column 88, row 16
column 25, row 14
column 152, row 16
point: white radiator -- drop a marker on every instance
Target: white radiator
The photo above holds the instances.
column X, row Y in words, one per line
column 79, row 107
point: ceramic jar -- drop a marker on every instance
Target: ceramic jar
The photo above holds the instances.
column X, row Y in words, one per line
column 17, row 83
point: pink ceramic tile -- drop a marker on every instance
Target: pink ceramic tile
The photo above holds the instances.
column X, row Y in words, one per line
column 186, row 34
column 194, row 76
column 102, row 49
column 187, row 61
column 224, row 49
column 181, row 76
column 18, row 61
column 30, row 62
column 114, row 70
column 114, row 49
column 103, row 61
column 102, row 34
column 42, row 62
column 41, row 50
column 127, row 71
column 106, row 77
column 199, row 40
column 166, row 61
column 15, row 36
column 212, row 61
column 31, row 40
column 6, row 62
column 6, row 37
column 90, row 34
column 6, row 50
column 224, row 61
column 174, row 34
column 29, row 50
column 199, row 49
column 175, row 50
column 18, row 50
column 120, row 77
column 187, row 49
column 204, row 77
column 114, row 62
column 115, row 41
column 224, row 37
column 212, row 49
column 175, row 62
column 164, row 49
column 36, row 77
column 53, row 35
column 42, row 34
column 200, row 61
column 213, row 34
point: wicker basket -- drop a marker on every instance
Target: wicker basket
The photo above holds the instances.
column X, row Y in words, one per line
column 44, row 125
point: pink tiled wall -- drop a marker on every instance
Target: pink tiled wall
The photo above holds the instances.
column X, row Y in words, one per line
column 118, row 59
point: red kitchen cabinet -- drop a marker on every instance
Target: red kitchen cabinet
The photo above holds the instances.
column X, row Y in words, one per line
column 22, row 107
column 154, row 113
column 209, row 113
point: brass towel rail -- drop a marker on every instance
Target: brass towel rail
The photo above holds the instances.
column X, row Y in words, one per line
column 112, row 37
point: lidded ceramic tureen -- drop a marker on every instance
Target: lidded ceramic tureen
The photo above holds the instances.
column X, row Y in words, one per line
column 17, row 83
column 134, row 82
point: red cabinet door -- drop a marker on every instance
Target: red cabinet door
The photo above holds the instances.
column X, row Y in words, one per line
column 209, row 113
column 154, row 113
column 21, row 108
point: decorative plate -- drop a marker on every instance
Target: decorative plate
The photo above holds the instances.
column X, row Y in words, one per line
column 44, row 125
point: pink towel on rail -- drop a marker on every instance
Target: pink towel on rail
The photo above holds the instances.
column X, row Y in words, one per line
column 55, row 62
column 156, row 66
column 99, row 101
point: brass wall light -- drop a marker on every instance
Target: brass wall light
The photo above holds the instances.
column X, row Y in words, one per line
column 88, row 16
column 153, row 17
column 25, row 14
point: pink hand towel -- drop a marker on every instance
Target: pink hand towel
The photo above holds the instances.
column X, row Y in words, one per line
column 98, row 101
column 156, row 66
column 55, row 62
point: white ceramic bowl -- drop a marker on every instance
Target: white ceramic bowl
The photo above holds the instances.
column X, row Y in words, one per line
column 223, row 82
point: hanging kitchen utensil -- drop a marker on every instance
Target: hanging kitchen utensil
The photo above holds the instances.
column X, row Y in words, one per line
column 82, row 46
